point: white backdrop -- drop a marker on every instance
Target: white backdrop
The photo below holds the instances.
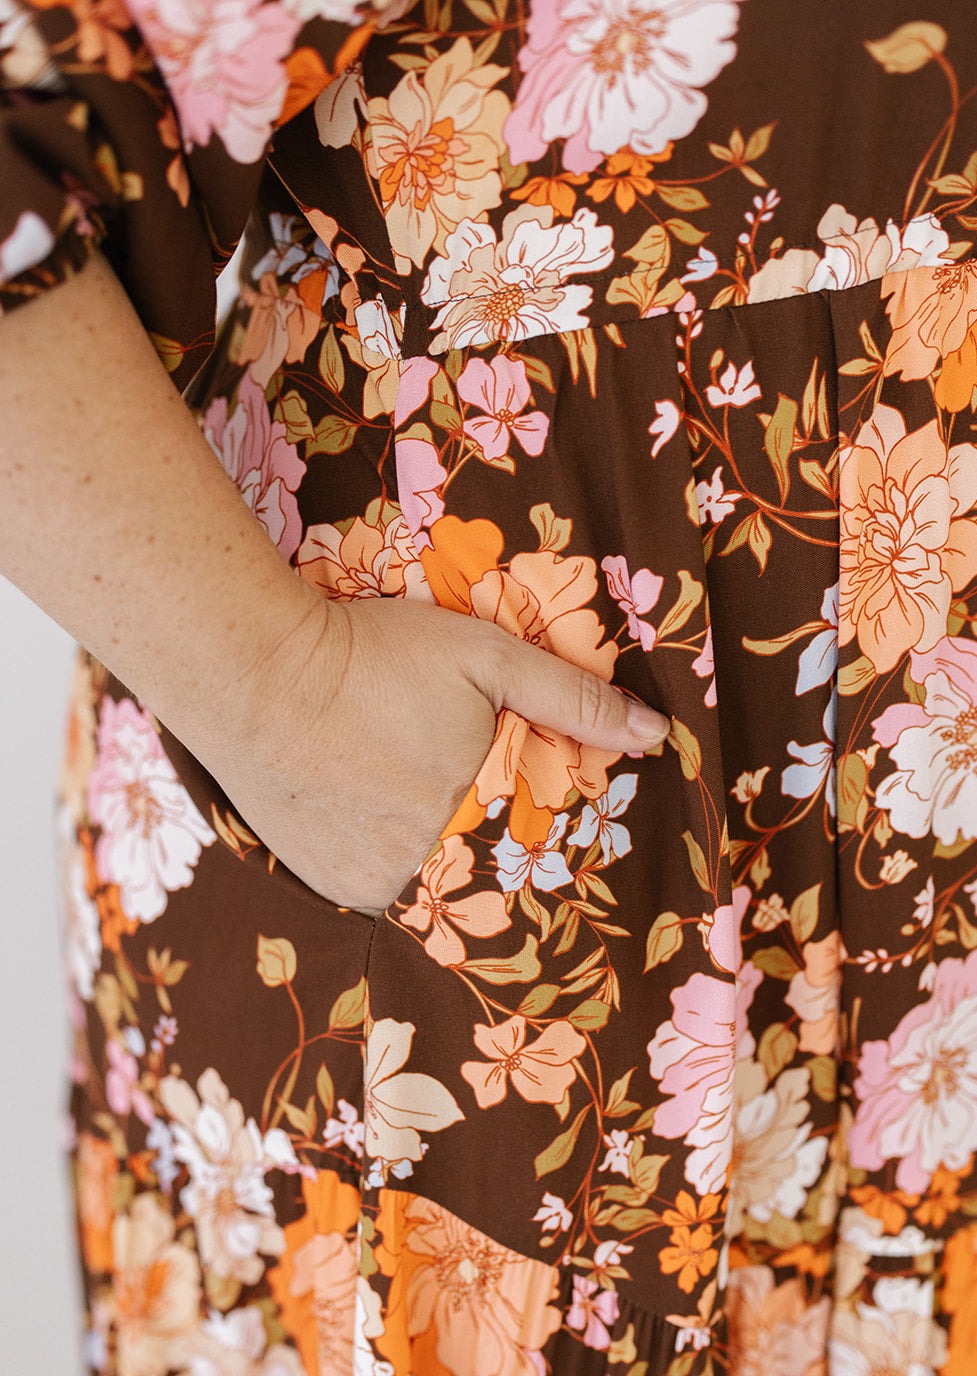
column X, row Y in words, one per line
column 38, row 1295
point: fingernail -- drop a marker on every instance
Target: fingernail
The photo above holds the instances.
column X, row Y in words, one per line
column 647, row 725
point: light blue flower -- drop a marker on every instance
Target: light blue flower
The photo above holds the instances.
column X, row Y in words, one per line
column 815, row 763
column 543, row 867
column 284, row 254
column 701, row 267
column 596, row 819
column 819, row 660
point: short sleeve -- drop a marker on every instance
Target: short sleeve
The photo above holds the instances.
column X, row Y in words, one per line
column 143, row 128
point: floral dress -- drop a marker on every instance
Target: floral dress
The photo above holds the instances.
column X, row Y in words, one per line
column 647, row 331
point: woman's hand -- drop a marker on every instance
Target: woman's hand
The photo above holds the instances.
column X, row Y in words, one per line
column 368, row 724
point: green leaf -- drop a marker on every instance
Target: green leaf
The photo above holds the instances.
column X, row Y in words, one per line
column 852, row 793
column 775, row 962
column 682, row 197
column 538, row 1000
column 590, row 1016
column 697, row 860
column 824, row 1077
column 646, row 1171
column 776, row 1048
column 331, row 367
column 558, row 1153
column 778, row 441
column 689, row 597
column 686, row 746
column 293, row 411
column 630, row 1220
column 521, row 968
column 854, row 678
column 554, row 531
column 325, row 1089
column 804, row 914
column 349, row 1008
column 664, row 940
column 333, row 435
column 538, row 371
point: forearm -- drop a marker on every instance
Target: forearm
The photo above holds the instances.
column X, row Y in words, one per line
column 117, row 519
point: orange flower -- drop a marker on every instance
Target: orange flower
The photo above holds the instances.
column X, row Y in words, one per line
column 361, row 559
column 540, row 598
column 555, row 191
column 627, row 178
column 97, row 1171
column 906, row 537
column 458, row 1300
column 890, row 1207
column 479, row 915
column 942, row 1197
column 691, row 1254
column 933, row 312
column 314, row 1283
column 959, row 1298
column 101, row 26
column 773, row 1330
column 541, row 1072
column 281, row 326
column 689, row 1210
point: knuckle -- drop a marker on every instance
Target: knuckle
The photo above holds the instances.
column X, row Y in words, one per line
column 591, row 701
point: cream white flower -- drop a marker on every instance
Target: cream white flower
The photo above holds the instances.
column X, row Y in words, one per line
column 399, row 1104
column 227, row 1157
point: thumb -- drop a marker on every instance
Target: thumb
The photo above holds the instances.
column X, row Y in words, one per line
column 551, row 692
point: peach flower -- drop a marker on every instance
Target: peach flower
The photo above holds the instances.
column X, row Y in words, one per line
column 460, row 1302
column 156, row 1287
column 933, row 314
column 814, row 993
column 436, row 145
column 478, row 915
column 773, row 1330
column 542, row 598
column 360, row 558
column 97, row 1174
column 541, row 1072
column 314, row 1283
column 281, row 326
column 906, row 539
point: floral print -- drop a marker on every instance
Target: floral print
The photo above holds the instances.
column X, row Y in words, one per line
column 628, row 330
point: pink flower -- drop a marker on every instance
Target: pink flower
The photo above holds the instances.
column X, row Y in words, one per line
column 258, row 458
column 541, row 1073
column 593, row 1312
column 152, row 833
column 414, row 385
column 420, row 474
column 634, row 593
column 122, row 1084
column 664, row 426
column 736, row 387
column 693, row 1055
column 605, row 74
column 934, row 788
column 478, row 915
column 714, row 502
column 704, row 666
column 501, row 390
column 222, row 63
column 917, row 1091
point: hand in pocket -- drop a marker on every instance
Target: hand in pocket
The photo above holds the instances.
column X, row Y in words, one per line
column 366, row 727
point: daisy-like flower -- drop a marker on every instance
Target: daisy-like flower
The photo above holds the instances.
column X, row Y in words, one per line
column 737, row 387
column 500, row 390
column 541, row 866
column 553, row 1215
column 541, row 1073
column 618, row 1144
column 597, row 820
column 593, row 1312
column 447, row 920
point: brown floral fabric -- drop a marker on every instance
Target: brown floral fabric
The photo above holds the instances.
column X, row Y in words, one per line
column 648, row 332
